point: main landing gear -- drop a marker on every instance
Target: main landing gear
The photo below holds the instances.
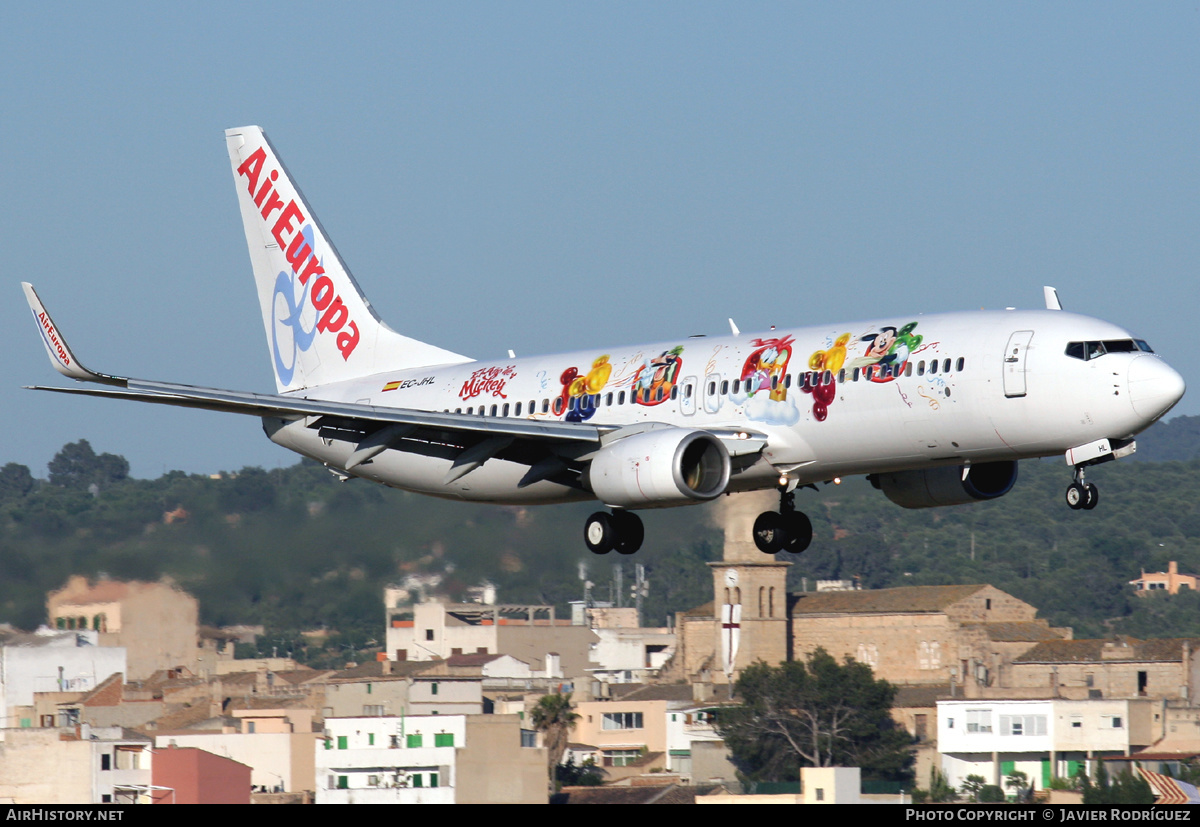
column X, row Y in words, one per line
column 786, row 530
column 1082, row 494
column 620, row 530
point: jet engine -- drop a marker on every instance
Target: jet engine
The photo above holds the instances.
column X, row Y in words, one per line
column 663, row 467
column 949, row 485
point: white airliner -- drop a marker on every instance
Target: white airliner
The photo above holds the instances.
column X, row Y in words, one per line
column 936, row 409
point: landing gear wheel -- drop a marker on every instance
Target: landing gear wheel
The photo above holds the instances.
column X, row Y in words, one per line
column 798, row 529
column 599, row 533
column 769, row 533
column 1093, row 496
column 1076, row 496
column 630, row 531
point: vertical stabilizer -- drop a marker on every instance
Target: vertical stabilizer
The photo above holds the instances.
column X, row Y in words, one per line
column 320, row 327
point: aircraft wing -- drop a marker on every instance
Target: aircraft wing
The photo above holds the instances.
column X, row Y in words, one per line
column 553, row 449
column 369, row 417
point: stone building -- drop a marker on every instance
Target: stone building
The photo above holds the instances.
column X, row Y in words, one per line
column 963, row 636
column 1124, row 667
column 157, row 623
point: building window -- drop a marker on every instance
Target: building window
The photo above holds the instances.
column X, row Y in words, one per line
column 1022, row 724
column 979, row 720
column 414, row 742
column 429, row 634
column 443, row 739
column 621, row 757
column 433, row 688
column 622, row 720
column 343, row 742
column 418, row 779
column 106, row 762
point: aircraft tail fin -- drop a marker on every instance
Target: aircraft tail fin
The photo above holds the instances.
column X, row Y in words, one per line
column 320, row 327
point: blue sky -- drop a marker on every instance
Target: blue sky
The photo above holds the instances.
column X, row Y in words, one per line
column 551, row 176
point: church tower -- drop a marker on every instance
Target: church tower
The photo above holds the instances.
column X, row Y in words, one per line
column 750, row 594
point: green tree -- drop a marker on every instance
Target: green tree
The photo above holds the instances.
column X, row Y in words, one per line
column 78, row 466
column 973, row 786
column 816, row 712
column 1124, row 788
column 554, row 717
column 15, row 481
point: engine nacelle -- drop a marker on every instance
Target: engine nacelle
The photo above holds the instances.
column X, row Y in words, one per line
column 948, row 485
column 668, row 466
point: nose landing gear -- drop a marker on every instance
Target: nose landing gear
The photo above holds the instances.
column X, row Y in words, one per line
column 620, row 530
column 786, row 530
column 1080, row 493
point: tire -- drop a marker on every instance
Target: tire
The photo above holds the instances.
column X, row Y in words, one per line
column 1093, row 496
column 599, row 533
column 629, row 532
column 798, row 529
column 769, row 533
column 1076, row 496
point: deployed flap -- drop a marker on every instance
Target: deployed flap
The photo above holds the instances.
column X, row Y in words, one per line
column 320, row 327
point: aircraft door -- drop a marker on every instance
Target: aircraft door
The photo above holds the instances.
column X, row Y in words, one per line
column 712, row 393
column 1014, row 363
column 687, row 402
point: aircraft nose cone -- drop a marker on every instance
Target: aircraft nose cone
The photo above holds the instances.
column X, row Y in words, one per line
column 1154, row 386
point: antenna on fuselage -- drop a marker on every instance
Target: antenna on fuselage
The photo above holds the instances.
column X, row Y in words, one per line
column 734, row 328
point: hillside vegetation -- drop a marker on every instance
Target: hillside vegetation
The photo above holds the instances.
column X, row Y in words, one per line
column 294, row 549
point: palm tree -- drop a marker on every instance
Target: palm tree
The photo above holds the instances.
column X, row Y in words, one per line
column 553, row 717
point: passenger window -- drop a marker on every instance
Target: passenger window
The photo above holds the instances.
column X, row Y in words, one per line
column 687, row 392
column 725, row 388
column 545, row 406
column 774, row 382
column 517, row 412
column 558, row 406
column 828, row 377
column 712, row 388
column 658, row 394
column 933, row 367
column 945, row 366
column 505, row 410
column 621, row 398
column 736, row 384
column 674, row 392
column 608, row 399
column 921, row 368
column 787, row 381
column 493, row 410
column 908, row 369
column 961, row 363
column 842, row 375
column 458, row 410
column 855, row 375
column 470, row 410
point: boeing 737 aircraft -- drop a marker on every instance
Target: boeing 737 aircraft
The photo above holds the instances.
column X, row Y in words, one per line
column 935, row 410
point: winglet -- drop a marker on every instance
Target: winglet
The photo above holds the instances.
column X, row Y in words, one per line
column 1052, row 302
column 61, row 357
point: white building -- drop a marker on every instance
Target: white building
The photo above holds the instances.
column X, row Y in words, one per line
column 1041, row 738
column 90, row 765
column 634, row 655
column 429, row 759
column 50, row 661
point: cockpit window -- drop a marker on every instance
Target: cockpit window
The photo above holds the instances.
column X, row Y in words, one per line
column 1094, row 350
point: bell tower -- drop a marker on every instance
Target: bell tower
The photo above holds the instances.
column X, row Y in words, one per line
column 750, row 594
